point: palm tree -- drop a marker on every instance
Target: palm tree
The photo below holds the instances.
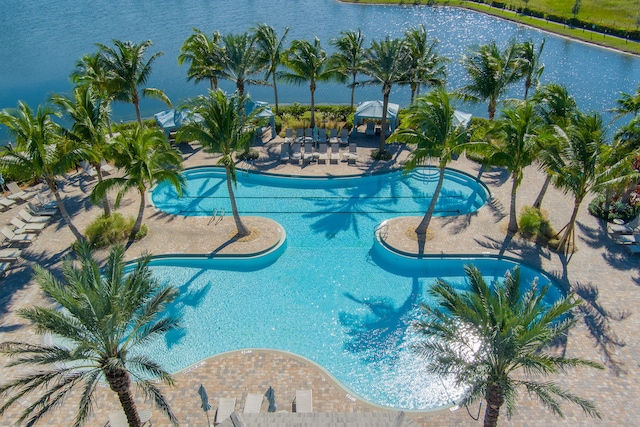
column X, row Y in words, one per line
column 204, row 55
column 270, row 52
column 90, row 71
column 348, row 56
column 530, row 64
column 40, row 150
column 224, row 129
column 426, row 66
column 627, row 104
column 556, row 108
column 308, row 62
column 386, row 63
column 428, row 123
column 147, row 159
column 513, row 143
column 490, row 339
column 240, row 60
column 88, row 115
column 129, row 70
column 102, row 316
column 580, row 166
column 491, row 73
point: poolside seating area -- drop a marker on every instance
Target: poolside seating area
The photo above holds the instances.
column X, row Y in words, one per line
column 626, row 234
column 320, row 146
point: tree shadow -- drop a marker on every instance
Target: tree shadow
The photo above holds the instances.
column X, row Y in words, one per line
column 528, row 251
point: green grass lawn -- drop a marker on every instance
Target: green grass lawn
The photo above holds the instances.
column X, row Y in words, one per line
column 623, row 14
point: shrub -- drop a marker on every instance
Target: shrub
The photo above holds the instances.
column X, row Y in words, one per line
column 105, row 231
column 278, row 121
column 534, row 223
column 377, row 155
column 618, row 209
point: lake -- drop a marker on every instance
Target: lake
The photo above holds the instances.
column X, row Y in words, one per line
column 41, row 41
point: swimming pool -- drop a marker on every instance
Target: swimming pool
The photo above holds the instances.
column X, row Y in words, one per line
column 331, row 293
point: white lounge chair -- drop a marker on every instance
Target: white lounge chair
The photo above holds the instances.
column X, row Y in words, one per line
column 226, row 405
column 304, row 401
column 119, row 419
column 46, row 201
column 352, row 155
column 370, row 129
column 17, row 193
column 288, row 135
column 17, row 238
column 40, row 210
column 344, row 136
column 106, row 167
column 253, row 403
column 333, row 136
column 6, row 203
column 4, row 268
column 323, row 156
column 10, row 255
column 335, row 153
column 296, row 154
column 88, row 169
column 22, row 227
column 627, row 239
column 631, row 227
column 31, row 218
column 284, row 152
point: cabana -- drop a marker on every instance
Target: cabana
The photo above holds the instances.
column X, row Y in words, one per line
column 373, row 110
column 171, row 120
column 461, row 118
column 266, row 112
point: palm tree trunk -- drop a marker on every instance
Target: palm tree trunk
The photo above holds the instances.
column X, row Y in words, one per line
column 383, row 131
column 353, row 90
column 538, row 203
column 120, row 384
column 495, row 399
column 513, row 220
column 138, row 224
column 421, row 230
column 136, row 102
column 105, row 200
column 242, row 230
column 565, row 241
column 275, row 92
column 492, row 108
column 312, row 86
column 53, row 186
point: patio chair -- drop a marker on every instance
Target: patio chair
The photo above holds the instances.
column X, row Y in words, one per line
column 352, row 155
column 308, row 135
column 335, row 153
column 308, row 152
column 4, row 268
column 119, row 419
column 288, row 135
column 32, row 227
column 31, row 218
column 304, row 401
column 17, row 193
column 17, row 238
column 370, row 129
column 40, row 210
column 627, row 239
column 323, row 156
column 89, row 170
column 296, row 154
column 226, row 405
column 285, row 148
column 299, row 135
column 10, row 255
column 253, row 403
column 333, row 136
column 631, row 227
column 46, row 201
column 6, row 203
column 344, row 136
column 322, row 135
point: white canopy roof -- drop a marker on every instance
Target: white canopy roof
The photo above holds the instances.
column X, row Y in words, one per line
column 373, row 110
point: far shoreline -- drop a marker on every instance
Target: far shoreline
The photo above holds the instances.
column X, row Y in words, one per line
column 487, row 10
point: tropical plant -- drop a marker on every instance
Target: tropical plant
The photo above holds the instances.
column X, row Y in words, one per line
column 513, row 143
column 88, row 116
column 205, row 57
column 429, row 124
column 492, row 339
column 102, row 317
column 241, row 60
column 491, row 73
column 627, row 104
column 530, row 64
column 386, row 63
column 348, row 57
column 225, row 129
column 426, row 65
column 308, row 62
column 270, row 52
column 556, row 108
column 40, row 150
column 145, row 157
column 127, row 69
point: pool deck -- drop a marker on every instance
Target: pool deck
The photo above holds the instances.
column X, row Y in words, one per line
column 603, row 273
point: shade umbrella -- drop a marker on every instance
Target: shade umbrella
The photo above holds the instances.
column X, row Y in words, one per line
column 205, row 402
column 271, row 398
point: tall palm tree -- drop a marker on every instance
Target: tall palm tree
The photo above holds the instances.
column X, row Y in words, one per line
column 491, row 73
column 128, row 69
column 270, row 52
column 386, row 63
column 580, row 166
column 224, row 129
column 348, row 57
column 88, row 116
column 513, row 143
column 627, row 104
column 426, row 65
column 556, row 108
column 428, row 123
column 204, row 55
column 530, row 64
column 491, row 340
column 241, row 60
column 40, row 150
column 146, row 158
column 90, row 71
column 104, row 316
column 308, row 62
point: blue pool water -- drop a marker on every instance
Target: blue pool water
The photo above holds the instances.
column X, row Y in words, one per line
column 331, row 293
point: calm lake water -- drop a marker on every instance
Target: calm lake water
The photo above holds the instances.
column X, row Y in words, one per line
column 41, row 41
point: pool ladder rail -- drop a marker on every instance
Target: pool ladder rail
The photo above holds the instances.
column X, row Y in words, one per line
column 216, row 215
